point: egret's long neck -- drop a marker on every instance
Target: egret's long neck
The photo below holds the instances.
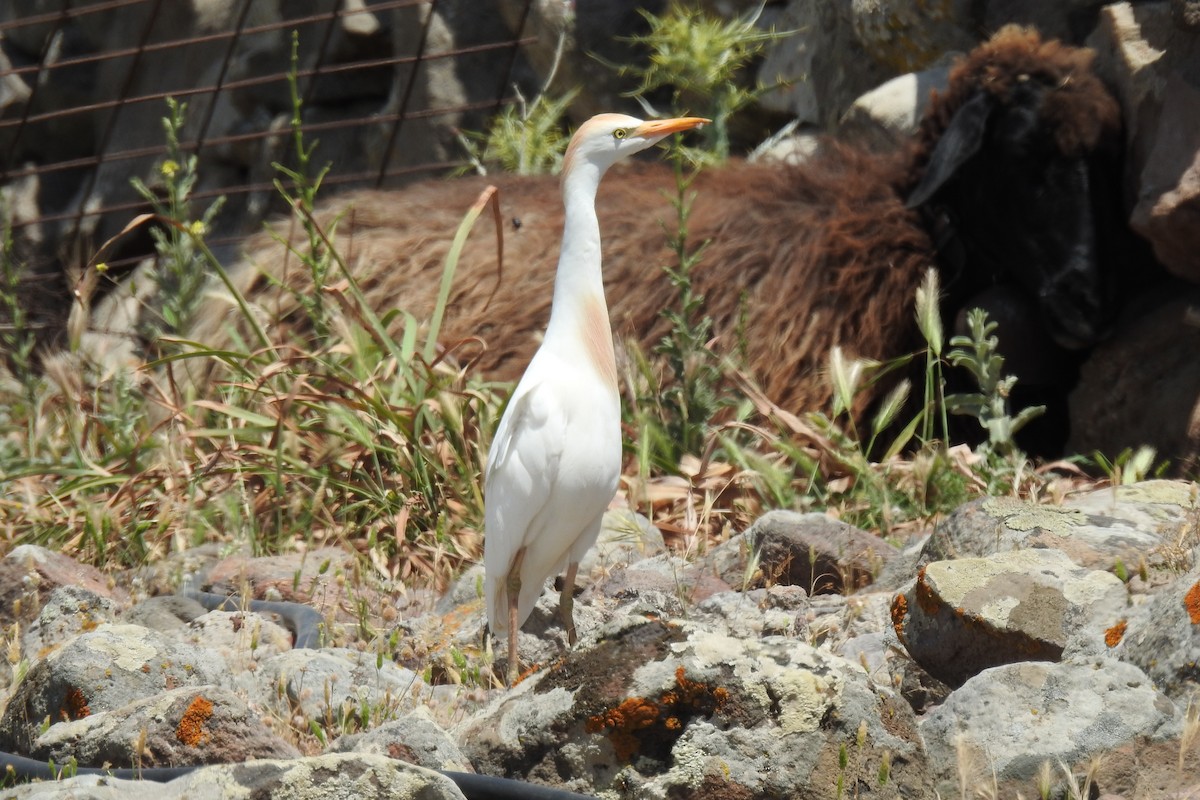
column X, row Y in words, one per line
column 579, row 314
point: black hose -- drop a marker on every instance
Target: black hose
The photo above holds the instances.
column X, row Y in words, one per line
column 307, row 627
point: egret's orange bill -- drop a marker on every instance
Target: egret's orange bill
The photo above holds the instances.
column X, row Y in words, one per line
column 661, row 127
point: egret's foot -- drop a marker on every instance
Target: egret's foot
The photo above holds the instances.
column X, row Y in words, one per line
column 566, row 604
column 514, row 596
column 566, row 613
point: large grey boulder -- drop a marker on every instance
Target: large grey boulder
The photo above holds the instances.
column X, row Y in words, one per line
column 68, row 612
column 652, row 708
column 1141, row 387
column 413, row 737
column 907, row 35
column 1163, row 635
column 1154, row 65
column 1128, row 525
column 822, row 67
column 334, row 684
column 191, row 725
column 103, row 670
column 29, row 574
column 1006, row 721
column 961, row 617
column 892, row 111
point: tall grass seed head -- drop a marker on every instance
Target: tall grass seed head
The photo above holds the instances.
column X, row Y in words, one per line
column 929, row 318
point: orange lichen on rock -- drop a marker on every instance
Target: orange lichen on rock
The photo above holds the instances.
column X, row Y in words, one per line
column 1114, row 635
column 624, row 721
column 899, row 612
column 191, row 725
column 1191, row 601
column 926, row 599
column 75, row 705
column 637, row 720
column 697, row 695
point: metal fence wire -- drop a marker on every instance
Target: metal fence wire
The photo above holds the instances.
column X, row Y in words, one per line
column 83, row 88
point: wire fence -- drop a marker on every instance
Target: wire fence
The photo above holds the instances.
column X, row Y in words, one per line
column 385, row 87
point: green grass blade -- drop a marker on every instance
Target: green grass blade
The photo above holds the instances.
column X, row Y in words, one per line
column 490, row 194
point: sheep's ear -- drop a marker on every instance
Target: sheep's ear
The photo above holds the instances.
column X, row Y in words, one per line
column 962, row 139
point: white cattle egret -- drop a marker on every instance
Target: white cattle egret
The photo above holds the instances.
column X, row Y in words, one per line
column 556, row 456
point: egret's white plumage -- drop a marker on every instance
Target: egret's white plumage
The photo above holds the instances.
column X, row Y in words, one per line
column 556, row 457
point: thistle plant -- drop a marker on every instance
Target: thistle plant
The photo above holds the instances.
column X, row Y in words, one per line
column 701, row 59
column 525, row 138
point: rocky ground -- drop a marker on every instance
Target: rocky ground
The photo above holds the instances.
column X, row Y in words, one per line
column 1015, row 648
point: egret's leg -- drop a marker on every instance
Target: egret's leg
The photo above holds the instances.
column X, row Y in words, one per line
column 514, row 598
column 566, row 602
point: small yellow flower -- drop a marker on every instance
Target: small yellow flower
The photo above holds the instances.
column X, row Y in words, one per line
column 197, row 228
column 169, row 168
column 102, row 267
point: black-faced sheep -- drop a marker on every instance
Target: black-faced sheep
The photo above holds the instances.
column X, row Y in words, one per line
column 1010, row 182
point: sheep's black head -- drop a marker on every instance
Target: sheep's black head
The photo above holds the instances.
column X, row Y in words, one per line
column 1021, row 181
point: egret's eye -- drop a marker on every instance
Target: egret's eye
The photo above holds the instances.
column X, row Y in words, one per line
column 620, row 133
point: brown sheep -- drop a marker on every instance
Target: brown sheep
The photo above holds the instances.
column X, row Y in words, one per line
column 808, row 256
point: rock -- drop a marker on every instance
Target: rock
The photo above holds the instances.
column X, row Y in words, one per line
column 676, row 709
column 893, row 110
column 392, row 146
column 103, row 670
column 168, row 613
column 291, row 577
column 820, row 554
column 339, row 775
column 173, row 571
column 822, row 66
column 1006, row 721
column 672, row 691
column 243, row 638
column 1144, row 769
column 1168, row 208
column 1127, row 524
column 920, row 690
column 190, row 725
column 961, row 617
column 789, row 148
column 334, row 683
column 29, row 574
column 68, row 612
column 313, row 578
column 413, row 737
column 680, row 583
column 1155, row 67
column 585, row 32
column 626, row 537
column 774, row 610
column 13, row 90
column 1111, row 409
column 906, row 35
column 1070, row 21
column 1163, row 636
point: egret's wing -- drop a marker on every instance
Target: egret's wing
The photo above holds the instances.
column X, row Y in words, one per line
column 522, row 470
column 528, row 439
